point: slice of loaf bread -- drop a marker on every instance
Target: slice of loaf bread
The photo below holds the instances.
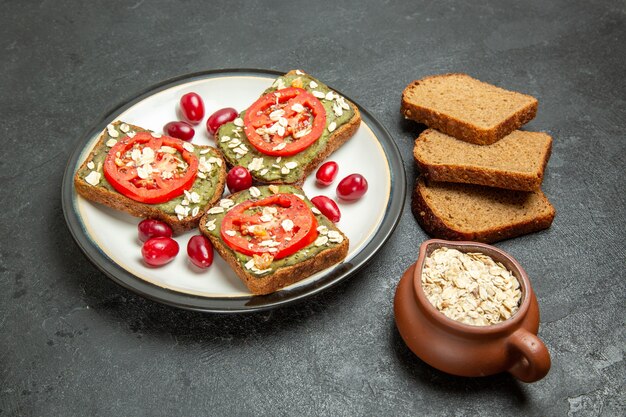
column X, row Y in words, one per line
column 208, row 187
column 283, row 272
column 473, row 212
column 342, row 123
column 467, row 108
column 516, row 162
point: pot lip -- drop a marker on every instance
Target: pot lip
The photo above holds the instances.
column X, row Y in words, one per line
column 506, row 326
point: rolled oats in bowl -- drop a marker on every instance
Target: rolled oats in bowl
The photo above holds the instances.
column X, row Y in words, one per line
column 470, row 287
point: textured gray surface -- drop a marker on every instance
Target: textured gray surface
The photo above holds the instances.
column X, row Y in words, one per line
column 74, row 343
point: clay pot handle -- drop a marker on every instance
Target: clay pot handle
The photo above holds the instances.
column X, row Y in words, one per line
column 533, row 358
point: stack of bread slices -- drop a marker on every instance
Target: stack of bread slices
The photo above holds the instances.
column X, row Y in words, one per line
column 480, row 178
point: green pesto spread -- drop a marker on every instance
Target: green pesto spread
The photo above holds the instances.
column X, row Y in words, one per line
column 204, row 187
column 214, row 224
column 273, row 167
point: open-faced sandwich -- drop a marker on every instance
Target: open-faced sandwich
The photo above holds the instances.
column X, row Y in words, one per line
column 289, row 130
column 273, row 236
column 152, row 176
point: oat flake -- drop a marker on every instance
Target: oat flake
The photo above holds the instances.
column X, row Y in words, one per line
column 470, row 287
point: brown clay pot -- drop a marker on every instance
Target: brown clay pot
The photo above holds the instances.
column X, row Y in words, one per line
column 462, row 349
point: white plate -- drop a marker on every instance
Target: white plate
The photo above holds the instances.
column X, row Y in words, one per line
column 109, row 237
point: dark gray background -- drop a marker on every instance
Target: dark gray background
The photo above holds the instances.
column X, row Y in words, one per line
column 74, row 343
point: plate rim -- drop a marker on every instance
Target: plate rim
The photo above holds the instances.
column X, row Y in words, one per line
column 338, row 273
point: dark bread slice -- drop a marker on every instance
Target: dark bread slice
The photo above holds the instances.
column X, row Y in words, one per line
column 282, row 276
column 339, row 137
column 466, row 108
column 483, row 214
column 117, row 201
column 516, row 162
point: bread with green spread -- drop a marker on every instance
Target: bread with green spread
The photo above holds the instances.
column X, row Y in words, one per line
column 342, row 121
column 328, row 245
column 182, row 212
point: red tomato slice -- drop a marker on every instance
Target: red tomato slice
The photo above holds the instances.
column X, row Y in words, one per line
column 285, row 122
column 150, row 170
column 279, row 225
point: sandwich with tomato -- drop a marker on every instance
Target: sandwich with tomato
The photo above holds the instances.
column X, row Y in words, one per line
column 152, row 176
column 290, row 130
column 273, row 236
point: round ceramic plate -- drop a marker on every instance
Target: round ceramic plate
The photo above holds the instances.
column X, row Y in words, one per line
column 109, row 237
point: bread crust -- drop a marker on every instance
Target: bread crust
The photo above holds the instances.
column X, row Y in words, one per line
column 478, row 175
column 439, row 228
column 120, row 202
column 458, row 128
column 284, row 276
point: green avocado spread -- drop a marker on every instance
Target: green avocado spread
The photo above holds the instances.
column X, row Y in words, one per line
column 287, row 169
column 200, row 193
column 325, row 228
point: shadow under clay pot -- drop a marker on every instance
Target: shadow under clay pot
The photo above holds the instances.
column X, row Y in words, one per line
column 461, row 349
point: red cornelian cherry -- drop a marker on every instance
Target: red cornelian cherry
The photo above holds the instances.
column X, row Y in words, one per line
column 327, row 173
column 180, row 130
column 352, row 187
column 238, row 179
column 200, row 251
column 158, row 251
column 192, row 108
column 220, row 117
column 328, row 207
column 149, row 228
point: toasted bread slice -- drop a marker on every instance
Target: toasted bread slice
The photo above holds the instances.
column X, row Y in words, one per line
column 304, row 263
column 342, row 121
column 465, row 108
column 96, row 188
column 516, row 162
column 473, row 212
